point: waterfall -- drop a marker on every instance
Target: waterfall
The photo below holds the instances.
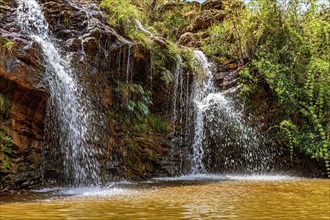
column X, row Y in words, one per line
column 140, row 27
column 219, row 126
column 128, row 65
column 70, row 121
column 202, row 86
column 178, row 84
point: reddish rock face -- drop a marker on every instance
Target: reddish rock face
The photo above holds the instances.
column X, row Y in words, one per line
column 206, row 18
column 190, row 40
column 21, row 82
column 21, row 73
column 212, row 4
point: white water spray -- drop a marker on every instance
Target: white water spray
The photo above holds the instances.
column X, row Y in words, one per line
column 216, row 117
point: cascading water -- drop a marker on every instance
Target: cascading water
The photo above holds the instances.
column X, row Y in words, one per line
column 140, row 27
column 181, row 115
column 219, row 126
column 203, row 85
column 71, row 121
column 178, row 84
column 128, row 65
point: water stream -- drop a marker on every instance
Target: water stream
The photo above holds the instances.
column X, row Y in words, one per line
column 140, row 27
column 70, row 116
column 177, row 86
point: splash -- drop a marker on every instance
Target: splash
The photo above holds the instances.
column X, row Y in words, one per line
column 221, row 130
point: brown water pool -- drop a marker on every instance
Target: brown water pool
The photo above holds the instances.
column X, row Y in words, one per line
column 192, row 197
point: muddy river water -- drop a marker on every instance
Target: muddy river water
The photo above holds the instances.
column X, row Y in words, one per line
column 188, row 197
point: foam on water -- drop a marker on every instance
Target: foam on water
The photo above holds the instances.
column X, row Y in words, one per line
column 261, row 177
column 94, row 192
column 196, row 177
column 47, row 190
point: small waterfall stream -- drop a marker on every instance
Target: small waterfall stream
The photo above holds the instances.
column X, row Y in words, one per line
column 181, row 114
column 178, row 85
column 71, row 120
column 141, row 28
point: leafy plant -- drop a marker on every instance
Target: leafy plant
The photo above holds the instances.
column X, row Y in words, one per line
column 135, row 101
column 157, row 123
column 167, row 77
column 5, row 152
column 122, row 12
column 5, row 104
column 7, row 46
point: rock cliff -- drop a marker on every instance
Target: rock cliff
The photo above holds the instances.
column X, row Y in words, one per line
column 102, row 58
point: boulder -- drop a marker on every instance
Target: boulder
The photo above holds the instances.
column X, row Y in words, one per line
column 205, row 19
column 212, row 5
column 190, row 39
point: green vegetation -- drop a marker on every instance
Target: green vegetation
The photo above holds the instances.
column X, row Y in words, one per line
column 5, row 105
column 285, row 46
column 156, row 19
column 6, row 46
column 5, row 139
column 134, row 99
column 122, row 13
column 134, row 109
column 5, row 152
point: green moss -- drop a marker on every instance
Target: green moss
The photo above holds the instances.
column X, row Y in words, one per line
column 157, row 123
column 6, row 46
column 5, row 104
column 151, row 155
column 122, row 12
column 6, row 144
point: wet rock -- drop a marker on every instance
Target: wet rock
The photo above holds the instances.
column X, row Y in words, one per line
column 21, row 80
column 206, row 18
column 160, row 41
column 144, row 158
column 73, row 44
column 90, row 45
column 190, row 39
column 228, row 79
column 66, row 34
column 212, row 4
